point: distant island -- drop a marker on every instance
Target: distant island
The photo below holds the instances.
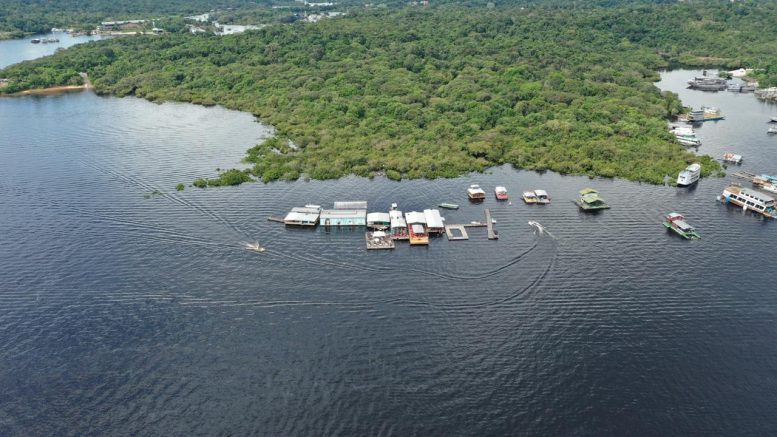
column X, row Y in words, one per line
column 426, row 92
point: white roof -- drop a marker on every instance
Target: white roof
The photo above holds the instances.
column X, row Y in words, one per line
column 500, row 189
column 378, row 217
column 358, row 204
column 307, row 210
column 540, row 193
column 415, row 217
column 475, row 189
column 433, row 218
column 295, row 216
column 397, row 219
column 343, row 213
column 418, row 229
column 530, row 193
column 378, row 234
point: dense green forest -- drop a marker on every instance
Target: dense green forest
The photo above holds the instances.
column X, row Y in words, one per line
column 19, row 17
column 430, row 92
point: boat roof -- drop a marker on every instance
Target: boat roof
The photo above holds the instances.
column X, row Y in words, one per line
column 530, row 194
column 591, row 198
column 378, row 217
column 415, row 217
column 694, row 167
column 685, row 227
column 433, row 218
column 673, row 215
column 541, row 193
column 756, row 194
column 355, row 204
column 418, row 229
column 475, row 189
column 500, row 189
column 395, row 214
column 398, row 222
column 585, row 191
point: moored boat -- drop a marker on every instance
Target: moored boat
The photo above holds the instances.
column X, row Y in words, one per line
column 705, row 114
column 689, row 142
column 676, row 222
column 766, row 183
column 689, row 176
column 772, row 130
column 772, row 119
column 542, row 196
column 529, row 197
column 749, row 199
column 474, row 192
column 590, row 200
column 35, row 40
column 447, row 205
column 732, row 158
column 707, row 83
column 500, row 193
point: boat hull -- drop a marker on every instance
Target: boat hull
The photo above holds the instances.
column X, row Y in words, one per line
column 687, row 235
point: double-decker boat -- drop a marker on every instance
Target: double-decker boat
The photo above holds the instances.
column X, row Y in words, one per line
column 676, row 222
column 474, row 192
column 542, row 196
column 705, row 114
column 689, row 176
column 749, row 199
column 590, row 200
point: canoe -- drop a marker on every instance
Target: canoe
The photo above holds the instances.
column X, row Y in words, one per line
column 449, row 206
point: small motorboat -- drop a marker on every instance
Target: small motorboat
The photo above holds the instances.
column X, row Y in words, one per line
column 256, row 247
column 773, row 120
column 529, row 197
column 772, row 130
column 448, row 205
column 676, row 222
column 501, row 193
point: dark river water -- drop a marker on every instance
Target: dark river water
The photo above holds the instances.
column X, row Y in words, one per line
column 123, row 314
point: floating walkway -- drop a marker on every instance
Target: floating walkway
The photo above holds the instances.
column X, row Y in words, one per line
column 461, row 229
column 492, row 233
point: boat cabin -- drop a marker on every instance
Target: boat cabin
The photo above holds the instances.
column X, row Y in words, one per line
column 542, row 196
column 474, row 192
column 529, row 197
column 501, row 193
column 590, row 200
column 398, row 225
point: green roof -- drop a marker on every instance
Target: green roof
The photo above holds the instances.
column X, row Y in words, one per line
column 585, row 191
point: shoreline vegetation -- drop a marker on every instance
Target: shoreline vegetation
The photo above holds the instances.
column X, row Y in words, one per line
column 439, row 92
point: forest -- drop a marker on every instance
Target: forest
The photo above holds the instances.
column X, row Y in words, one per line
column 441, row 91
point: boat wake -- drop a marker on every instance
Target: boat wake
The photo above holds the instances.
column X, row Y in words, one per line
column 256, row 247
column 539, row 229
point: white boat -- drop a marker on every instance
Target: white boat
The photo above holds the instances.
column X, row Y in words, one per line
column 772, row 130
column 732, row 158
column 683, row 131
column 749, row 199
column 773, row 120
column 689, row 142
column 474, row 192
column 689, row 176
column 542, row 196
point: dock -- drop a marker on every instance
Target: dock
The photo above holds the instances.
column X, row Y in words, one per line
column 492, row 233
column 461, row 229
column 744, row 175
column 379, row 240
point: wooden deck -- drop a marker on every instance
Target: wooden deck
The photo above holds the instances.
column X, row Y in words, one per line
column 375, row 243
column 450, row 229
column 492, row 233
column 275, row 219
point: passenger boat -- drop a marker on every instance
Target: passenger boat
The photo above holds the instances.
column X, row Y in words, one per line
column 772, row 130
column 732, row 158
column 542, row 197
column 676, row 222
column 749, row 199
column 590, row 200
column 707, row 83
column 474, row 192
column 35, row 40
column 501, row 193
column 705, row 114
column 448, row 205
column 689, row 176
column 529, row 197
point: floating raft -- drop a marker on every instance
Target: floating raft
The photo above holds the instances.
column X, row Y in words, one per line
column 379, row 240
column 461, row 229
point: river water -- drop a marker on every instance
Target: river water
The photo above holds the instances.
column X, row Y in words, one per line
column 127, row 312
column 18, row 50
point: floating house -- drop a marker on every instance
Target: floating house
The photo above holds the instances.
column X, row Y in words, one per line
column 416, row 223
column 343, row 217
column 398, row 225
column 434, row 221
column 378, row 220
column 307, row 216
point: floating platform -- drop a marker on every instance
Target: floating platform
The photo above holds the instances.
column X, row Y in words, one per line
column 461, row 229
column 379, row 240
column 275, row 219
column 492, row 233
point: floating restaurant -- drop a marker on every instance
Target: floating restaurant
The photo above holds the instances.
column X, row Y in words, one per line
column 344, row 217
column 398, row 225
column 378, row 220
column 416, row 222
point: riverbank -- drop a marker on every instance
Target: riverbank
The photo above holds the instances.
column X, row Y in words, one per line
column 52, row 90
